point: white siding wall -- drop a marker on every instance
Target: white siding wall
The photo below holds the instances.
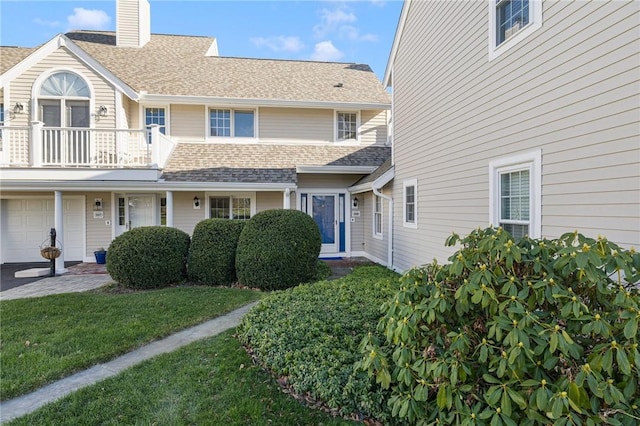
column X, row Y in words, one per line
column 570, row 90
column 295, row 124
column 185, row 217
column 98, row 233
column 373, row 127
column 188, row 122
column 374, row 246
column 271, row 200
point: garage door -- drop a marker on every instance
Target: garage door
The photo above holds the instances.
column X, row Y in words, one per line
column 26, row 224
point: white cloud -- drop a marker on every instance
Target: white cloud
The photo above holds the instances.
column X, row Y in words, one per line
column 340, row 21
column 45, row 23
column 87, row 19
column 326, row 51
column 331, row 20
column 279, row 43
column 353, row 33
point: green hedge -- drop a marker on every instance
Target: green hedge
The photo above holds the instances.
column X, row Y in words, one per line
column 310, row 334
column 212, row 255
column 149, row 257
column 512, row 333
column 278, row 249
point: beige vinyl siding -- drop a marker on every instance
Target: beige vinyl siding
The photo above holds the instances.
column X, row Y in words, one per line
column 133, row 112
column 295, row 124
column 21, row 88
column 375, row 247
column 185, row 217
column 271, row 200
column 373, row 127
column 188, row 123
column 98, row 232
column 358, row 226
column 570, row 90
column 326, row 181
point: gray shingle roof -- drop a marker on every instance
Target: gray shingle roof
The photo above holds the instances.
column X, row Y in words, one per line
column 9, row 56
column 384, row 167
column 256, row 163
column 177, row 65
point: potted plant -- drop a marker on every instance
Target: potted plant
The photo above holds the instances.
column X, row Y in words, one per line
column 101, row 256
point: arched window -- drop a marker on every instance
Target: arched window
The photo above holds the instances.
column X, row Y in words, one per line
column 65, row 84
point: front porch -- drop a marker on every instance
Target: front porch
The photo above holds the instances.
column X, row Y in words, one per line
column 75, row 147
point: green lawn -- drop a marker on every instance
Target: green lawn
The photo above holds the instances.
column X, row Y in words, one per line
column 48, row 338
column 210, row 382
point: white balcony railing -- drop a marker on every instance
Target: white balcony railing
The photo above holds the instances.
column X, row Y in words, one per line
column 38, row 146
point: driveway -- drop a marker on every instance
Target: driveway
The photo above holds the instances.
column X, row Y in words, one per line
column 8, row 270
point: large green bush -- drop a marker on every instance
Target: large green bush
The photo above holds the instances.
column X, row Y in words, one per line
column 278, row 249
column 310, row 334
column 212, row 255
column 149, row 257
column 514, row 333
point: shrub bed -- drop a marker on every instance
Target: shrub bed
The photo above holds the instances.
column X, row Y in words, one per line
column 514, row 333
column 149, row 257
column 212, row 254
column 278, row 249
column 310, row 335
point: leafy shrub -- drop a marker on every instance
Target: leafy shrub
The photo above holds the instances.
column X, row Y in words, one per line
column 212, row 255
column 323, row 271
column 148, row 257
column 278, row 249
column 310, row 334
column 526, row 332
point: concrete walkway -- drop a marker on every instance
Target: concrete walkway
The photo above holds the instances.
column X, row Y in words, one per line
column 26, row 404
column 56, row 285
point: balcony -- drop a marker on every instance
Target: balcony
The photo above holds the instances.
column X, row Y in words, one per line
column 74, row 147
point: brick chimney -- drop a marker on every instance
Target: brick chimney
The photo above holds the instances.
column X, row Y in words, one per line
column 133, row 23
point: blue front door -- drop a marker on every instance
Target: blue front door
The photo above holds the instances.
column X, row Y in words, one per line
column 323, row 211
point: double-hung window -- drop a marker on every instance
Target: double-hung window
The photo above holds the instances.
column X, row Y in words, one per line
column 155, row 116
column 1, row 121
column 347, row 126
column 231, row 123
column 410, row 203
column 510, row 22
column 230, row 207
column 515, row 194
column 377, row 216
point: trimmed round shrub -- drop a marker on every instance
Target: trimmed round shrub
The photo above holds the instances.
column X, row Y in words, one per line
column 278, row 249
column 514, row 333
column 212, row 255
column 149, row 257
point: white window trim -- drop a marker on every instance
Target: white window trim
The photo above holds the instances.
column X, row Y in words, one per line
column 535, row 22
column 406, row 183
column 167, row 116
column 335, row 126
column 531, row 161
column 230, row 195
column 232, row 137
column 378, row 235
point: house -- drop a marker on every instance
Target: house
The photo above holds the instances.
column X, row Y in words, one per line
column 106, row 131
column 523, row 114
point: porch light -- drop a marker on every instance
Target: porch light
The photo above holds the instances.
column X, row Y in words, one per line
column 18, row 109
column 102, row 111
column 355, row 202
column 196, row 202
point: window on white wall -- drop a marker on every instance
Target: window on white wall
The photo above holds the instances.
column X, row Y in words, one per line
column 347, row 126
column 410, row 203
column 231, row 123
column 510, row 22
column 377, row 216
column 230, row 207
column 515, row 194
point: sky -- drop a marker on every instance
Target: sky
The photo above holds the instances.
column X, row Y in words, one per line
column 358, row 31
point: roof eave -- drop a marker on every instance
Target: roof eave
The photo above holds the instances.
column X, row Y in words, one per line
column 160, row 185
column 396, row 41
column 214, row 100
column 348, row 170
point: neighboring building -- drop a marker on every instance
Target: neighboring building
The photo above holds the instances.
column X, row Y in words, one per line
column 518, row 113
column 103, row 131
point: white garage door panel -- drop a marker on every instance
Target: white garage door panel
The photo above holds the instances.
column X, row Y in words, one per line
column 27, row 224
